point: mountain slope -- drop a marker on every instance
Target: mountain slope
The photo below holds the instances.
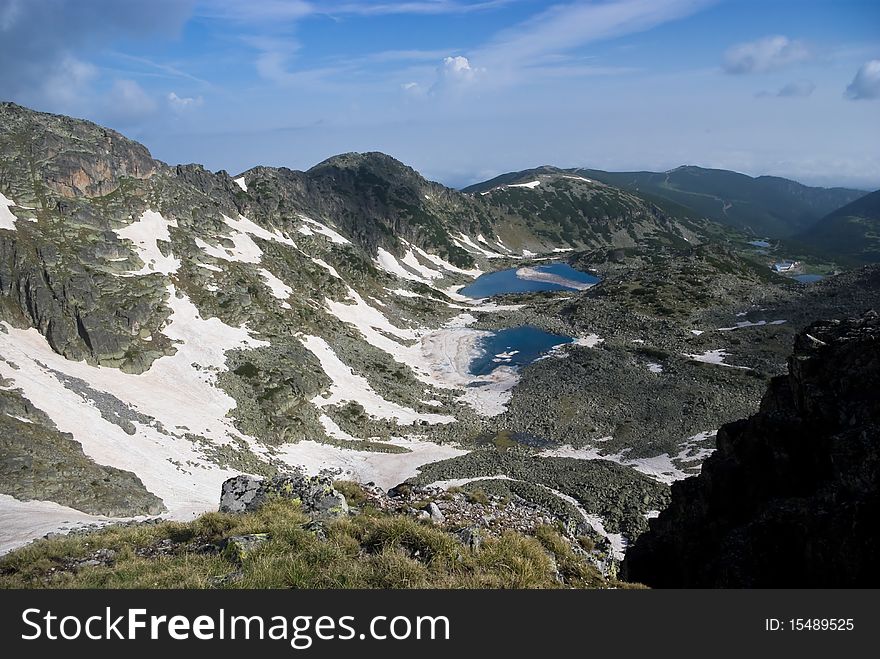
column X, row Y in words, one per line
column 562, row 208
column 850, row 234
column 763, row 206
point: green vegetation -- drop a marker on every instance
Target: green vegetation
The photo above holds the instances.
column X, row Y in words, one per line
column 365, row 551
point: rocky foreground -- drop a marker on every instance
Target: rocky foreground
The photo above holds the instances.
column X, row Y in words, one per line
column 296, row 531
column 791, row 498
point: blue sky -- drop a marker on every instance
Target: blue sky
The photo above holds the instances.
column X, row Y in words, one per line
column 463, row 90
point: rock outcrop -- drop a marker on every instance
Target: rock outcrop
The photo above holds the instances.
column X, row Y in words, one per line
column 791, row 498
column 316, row 494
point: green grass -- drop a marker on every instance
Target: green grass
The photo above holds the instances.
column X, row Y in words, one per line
column 373, row 550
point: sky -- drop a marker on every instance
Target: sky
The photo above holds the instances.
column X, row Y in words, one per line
column 464, row 90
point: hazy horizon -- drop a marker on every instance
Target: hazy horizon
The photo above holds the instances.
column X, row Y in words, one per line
column 464, row 90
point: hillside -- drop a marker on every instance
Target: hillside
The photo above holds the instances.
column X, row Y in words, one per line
column 850, row 234
column 577, row 212
column 766, row 206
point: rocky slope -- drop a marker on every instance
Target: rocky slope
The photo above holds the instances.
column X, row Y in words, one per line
column 790, row 498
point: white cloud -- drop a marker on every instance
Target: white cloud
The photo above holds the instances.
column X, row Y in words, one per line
column 764, row 55
column 456, row 74
column 564, row 27
column 458, row 69
column 181, row 104
column 866, row 84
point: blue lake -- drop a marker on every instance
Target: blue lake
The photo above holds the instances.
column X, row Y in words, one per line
column 808, row 279
column 551, row 277
column 514, row 346
column 759, row 243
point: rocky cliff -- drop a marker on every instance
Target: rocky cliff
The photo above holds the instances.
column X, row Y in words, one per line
column 791, row 497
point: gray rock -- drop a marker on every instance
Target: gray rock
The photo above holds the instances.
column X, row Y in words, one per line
column 315, row 494
column 239, row 547
column 470, row 537
column 435, row 513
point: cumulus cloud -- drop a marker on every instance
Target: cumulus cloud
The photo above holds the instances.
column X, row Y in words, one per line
column 456, row 74
column 183, row 103
column 866, row 84
column 764, row 55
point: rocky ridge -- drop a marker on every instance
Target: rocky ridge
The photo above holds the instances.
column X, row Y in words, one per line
column 790, row 498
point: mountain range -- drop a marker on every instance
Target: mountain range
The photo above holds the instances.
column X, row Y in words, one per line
column 164, row 328
column 766, row 206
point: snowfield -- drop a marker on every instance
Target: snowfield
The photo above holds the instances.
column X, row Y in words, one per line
column 178, row 391
column 384, row 469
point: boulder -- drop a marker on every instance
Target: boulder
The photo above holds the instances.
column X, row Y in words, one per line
column 315, row 494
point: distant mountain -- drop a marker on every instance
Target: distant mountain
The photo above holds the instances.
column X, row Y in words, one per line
column 850, row 234
column 765, row 206
column 562, row 208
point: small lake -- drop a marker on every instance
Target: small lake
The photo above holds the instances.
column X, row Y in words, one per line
column 809, row 279
column 759, row 243
column 514, row 346
column 551, row 277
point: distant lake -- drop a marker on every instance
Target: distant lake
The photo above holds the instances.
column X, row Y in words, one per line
column 515, row 346
column 808, row 279
column 551, row 277
column 759, row 243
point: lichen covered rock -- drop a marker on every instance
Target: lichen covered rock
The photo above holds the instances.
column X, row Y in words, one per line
column 315, row 494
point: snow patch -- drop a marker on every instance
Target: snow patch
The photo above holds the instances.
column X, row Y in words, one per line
column 384, row 469
column 23, row 521
column 316, row 227
column 716, row 357
column 347, row 386
column 240, row 183
column 277, row 287
column 588, row 341
column 746, row 323
column 244, row 249
column 144, row 233
column 410, row 260
column 7, row 219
